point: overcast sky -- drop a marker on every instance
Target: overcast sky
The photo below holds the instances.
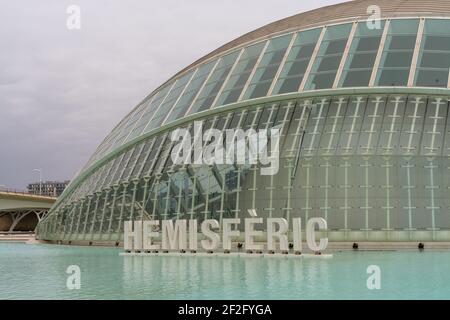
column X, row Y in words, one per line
column 62, row 91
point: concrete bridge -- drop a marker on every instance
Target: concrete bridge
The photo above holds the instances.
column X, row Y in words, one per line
column 21, row 211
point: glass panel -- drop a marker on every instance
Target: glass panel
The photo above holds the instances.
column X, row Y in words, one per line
column 398, row 53
column 268, row 67
column 150, row 111
column 297, row 62
column 361, row 57
column 129, row 126
column 329, row 57
column 191, row 91
column 240, row 75
column 434, row 58
column 168, row 102
column 215, row 82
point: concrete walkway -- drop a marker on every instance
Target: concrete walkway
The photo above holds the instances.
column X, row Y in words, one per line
column 17, row 237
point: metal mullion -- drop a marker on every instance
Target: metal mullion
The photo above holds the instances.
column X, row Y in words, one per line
column 88, row 209
column 312, row 59
column 119, row 134
column 282, row 63
column 376, row 65
column 146, row 157
column 165, row 157
column 448, row 81
column 175, row 190
column 67, row 226
column 169, row 189
column 138, row 120
column 214, row 168
column 155, row 190
column 104, row 211
column 157, row 155
column 97, row 200
column 219, row 93
column 126, row 165
column 412, row 71
column 73, row 218
column 159, row 106
column 203, row 86
column 255, row 67
column 239, row 126
column 113, row 204
column 133, row 199
column 179, row 97
column 345, row 54
column 136, row 160
column 79, row 215
column 115, row 171
column 306, row 106
column 122, row 207
column 144, row 197
column 106, row 176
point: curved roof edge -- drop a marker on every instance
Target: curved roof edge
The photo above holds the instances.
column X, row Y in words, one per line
column 333, row 14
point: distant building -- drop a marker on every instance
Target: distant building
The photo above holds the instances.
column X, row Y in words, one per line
column 48, row 188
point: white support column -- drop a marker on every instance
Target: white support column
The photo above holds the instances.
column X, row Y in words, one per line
column 432, row 187
column 313, row 59
column 345, row 54
column 376, row 65
column 388, row 188
column 307, row 207
column 16, row 218
column 346, row 187
column 408, row 188
column 412, row 71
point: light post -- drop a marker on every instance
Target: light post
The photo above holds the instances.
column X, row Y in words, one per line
column 40, row 180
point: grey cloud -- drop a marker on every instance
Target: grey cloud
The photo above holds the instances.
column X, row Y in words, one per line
column 62, row 91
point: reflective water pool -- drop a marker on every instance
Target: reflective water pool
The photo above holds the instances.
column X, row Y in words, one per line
column 39, row 272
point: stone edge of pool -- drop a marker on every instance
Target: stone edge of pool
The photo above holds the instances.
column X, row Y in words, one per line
column 332, row 246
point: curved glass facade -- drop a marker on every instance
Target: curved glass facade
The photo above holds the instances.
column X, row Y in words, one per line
column 365, row 139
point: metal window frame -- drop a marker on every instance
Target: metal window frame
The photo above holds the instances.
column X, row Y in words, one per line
column 159, row 106
column 255, row 67
column 380, row 52
column 179, row 97
column 225, row 82
column 313, row 59
column 137, row 121
column 282, row 63
column 213, row 69
column 412, row 70
column 340, row 69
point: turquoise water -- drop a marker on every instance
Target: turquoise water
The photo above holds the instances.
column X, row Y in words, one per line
column 39, row 272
